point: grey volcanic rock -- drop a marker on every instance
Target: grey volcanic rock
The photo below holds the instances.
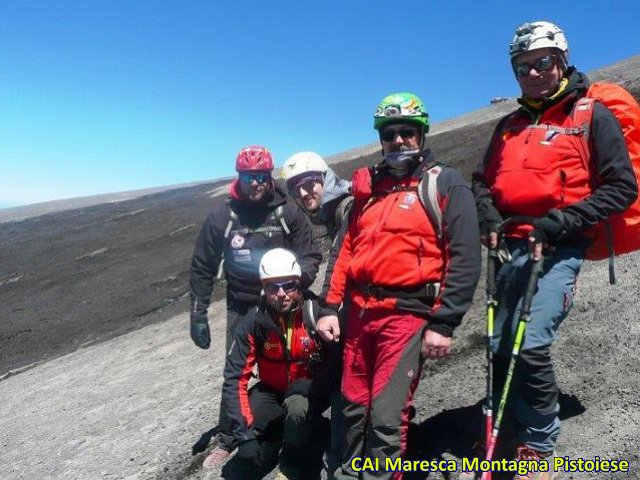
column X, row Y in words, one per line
column 100, row 378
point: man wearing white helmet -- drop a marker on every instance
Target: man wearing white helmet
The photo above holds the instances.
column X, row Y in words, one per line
column 534, row 172
column 317, row 190
column 273, row 421
column 327, row 199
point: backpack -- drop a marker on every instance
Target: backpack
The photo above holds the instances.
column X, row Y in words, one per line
column 280, row 226
column 621, row 232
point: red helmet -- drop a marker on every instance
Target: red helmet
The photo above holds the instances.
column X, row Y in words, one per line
column 255, row 158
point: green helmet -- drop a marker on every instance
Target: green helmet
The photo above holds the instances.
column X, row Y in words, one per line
column 400, row 107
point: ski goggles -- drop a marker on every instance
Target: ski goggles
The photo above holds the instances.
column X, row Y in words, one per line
column 390, row 134
column 542, row 64
column 306, row 183
column 272, row 288
column 248, row 178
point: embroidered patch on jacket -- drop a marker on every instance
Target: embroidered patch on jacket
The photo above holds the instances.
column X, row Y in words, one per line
column 237, row 241
column 408, row 201
column 548, row 137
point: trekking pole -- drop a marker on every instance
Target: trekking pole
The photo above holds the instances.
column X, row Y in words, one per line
column 525, row 317
column 492, row 258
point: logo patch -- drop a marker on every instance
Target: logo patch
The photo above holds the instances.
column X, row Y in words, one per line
column 550, row 135
column 237, row 241
column 408, row 200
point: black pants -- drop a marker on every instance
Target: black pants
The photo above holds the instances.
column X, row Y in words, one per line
column 235, row 312
column 289, row 433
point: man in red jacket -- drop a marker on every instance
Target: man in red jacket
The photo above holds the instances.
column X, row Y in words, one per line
column 409, row 279
column 536, row 167
column 283, row 408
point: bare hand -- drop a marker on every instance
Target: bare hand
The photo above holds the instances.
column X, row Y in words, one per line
column 435, row 345
column 329, row 328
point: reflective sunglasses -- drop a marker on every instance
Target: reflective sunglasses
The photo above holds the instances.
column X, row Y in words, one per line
column 389, row 134
column 273, row 288
column 306, row 183
column 543, row 64
column 248, row 178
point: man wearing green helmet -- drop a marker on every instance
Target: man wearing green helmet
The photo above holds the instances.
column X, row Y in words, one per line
column 407, row 264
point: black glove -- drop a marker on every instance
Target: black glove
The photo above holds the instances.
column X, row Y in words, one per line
column 299, row 387
column 200, row 330
column 549, row 229
column 489, row 218
column 249, row 452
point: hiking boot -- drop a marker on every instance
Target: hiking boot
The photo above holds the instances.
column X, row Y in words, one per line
column 525, row 453
column 216, row 458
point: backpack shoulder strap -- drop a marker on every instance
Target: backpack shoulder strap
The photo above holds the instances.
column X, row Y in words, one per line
column 428, row 194
column 233, row 218
column 582, row 115
column 279, row 216
column 309, row 318
column 342, row 211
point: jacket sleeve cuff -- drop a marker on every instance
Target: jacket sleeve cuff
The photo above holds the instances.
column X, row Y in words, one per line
column 328, row 309
column 443, row 329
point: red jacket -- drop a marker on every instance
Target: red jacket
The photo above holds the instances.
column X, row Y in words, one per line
column 533, row 164
column 391, row 243
column 535, row 167
column 283, row 351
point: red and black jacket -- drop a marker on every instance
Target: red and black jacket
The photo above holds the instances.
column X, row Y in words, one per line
column 535, row 163
column 284, row 351
column 390, row 242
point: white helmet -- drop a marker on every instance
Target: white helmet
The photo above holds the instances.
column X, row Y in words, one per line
column 536, row 35
column 303, row 162
column 279, row 263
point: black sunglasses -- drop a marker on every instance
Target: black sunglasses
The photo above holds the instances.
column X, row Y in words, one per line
column 274, row 287
column 248, row 178
column 543, row 64
column 389, row 134
column 305, row 184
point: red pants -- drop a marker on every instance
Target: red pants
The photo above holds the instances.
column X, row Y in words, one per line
column 382, row 366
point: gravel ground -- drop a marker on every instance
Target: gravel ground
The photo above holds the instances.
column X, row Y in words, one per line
column 140, row 405
column 99, row 379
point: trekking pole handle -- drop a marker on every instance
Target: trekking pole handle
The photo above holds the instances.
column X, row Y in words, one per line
column 492, row 258
column 536, row 271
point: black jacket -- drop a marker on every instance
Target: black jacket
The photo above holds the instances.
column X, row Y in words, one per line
column 243, row 249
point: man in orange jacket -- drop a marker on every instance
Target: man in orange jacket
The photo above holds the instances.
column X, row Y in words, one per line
column 409, row 279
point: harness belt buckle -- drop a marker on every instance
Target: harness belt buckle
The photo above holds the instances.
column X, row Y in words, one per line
column 375, row 291
column 433, row 289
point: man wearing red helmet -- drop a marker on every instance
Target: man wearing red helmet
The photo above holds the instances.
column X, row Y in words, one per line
column 256, row 217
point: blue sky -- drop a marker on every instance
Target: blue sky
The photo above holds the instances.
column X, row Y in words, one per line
column 112, row 95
